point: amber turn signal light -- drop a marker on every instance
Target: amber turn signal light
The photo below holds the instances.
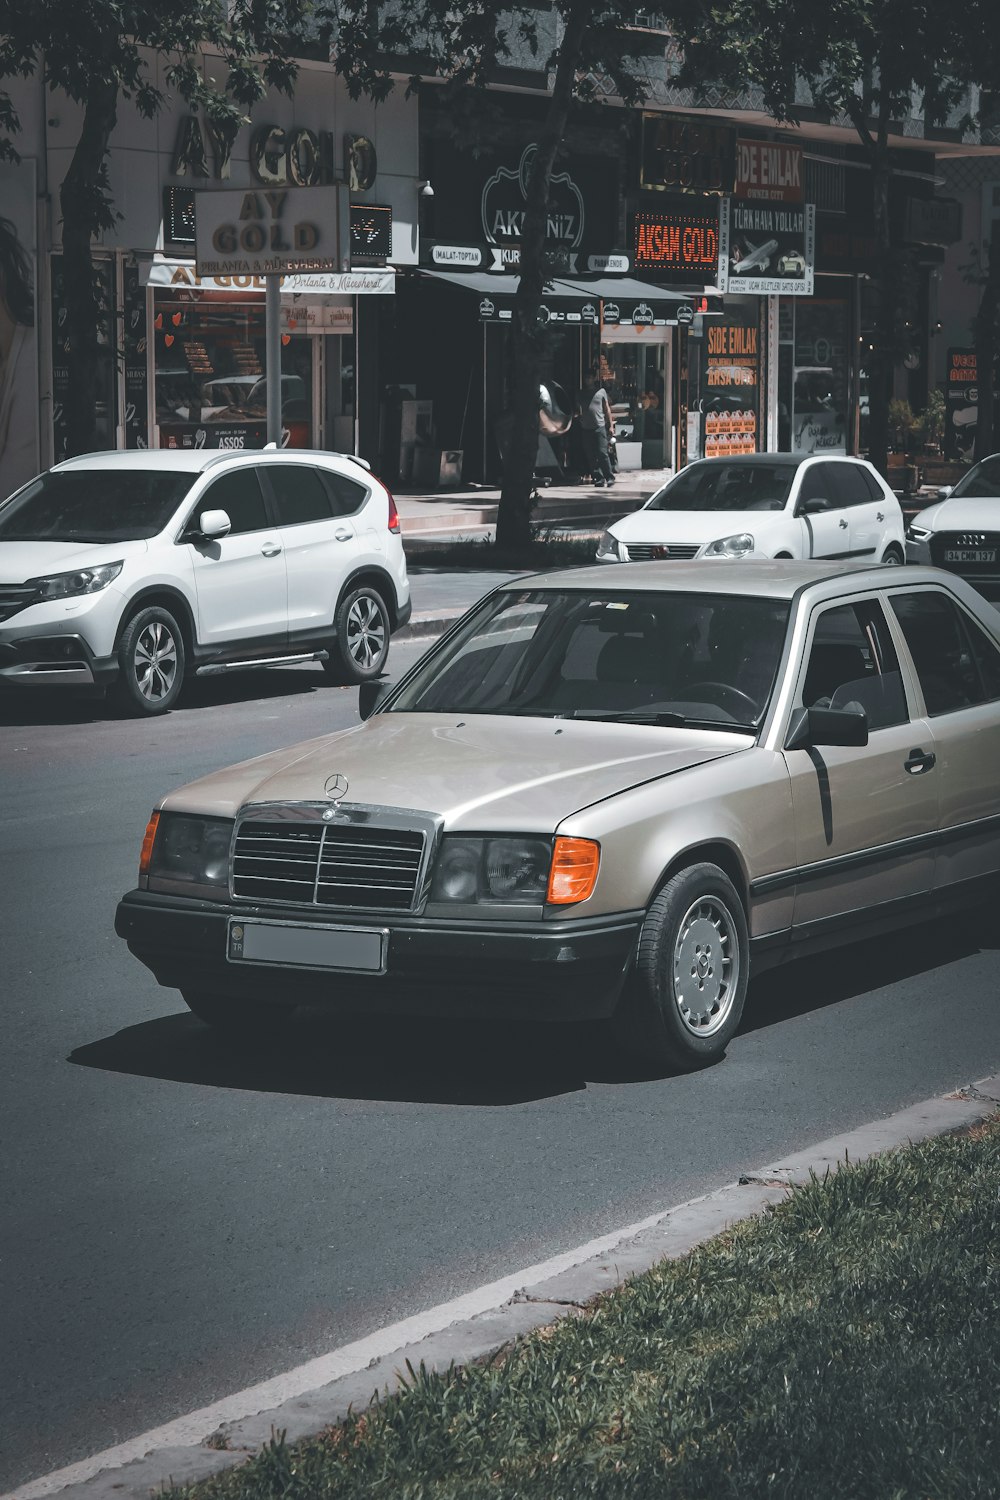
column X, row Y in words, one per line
column 147, row 845
column 573, row 873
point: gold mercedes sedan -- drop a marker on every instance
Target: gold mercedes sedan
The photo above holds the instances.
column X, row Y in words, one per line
column 599, row 797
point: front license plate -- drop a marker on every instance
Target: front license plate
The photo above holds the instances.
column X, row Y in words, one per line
column 970, row 554
column 296, row 945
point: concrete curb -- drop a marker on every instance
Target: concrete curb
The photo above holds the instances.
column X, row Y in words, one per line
column 668, row 1235
column 422, row 626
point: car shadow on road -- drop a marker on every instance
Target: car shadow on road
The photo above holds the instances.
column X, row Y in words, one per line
column 400, row 1059
column 37, row 707
column 809, row 984
column 428, row 1061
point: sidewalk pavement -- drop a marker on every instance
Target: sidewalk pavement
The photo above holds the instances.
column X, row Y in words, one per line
column 321, row 1393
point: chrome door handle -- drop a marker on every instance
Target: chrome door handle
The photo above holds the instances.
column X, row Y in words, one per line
column 919, row 760
column 271, row 549
column 343, row 536
column 842, row 523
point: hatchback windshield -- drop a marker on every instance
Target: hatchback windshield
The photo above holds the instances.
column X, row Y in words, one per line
column 727, row 484
column 981, row 482
column 94, row 505
column 654, row 658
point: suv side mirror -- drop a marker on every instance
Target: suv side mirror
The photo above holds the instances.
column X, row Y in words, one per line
column 827, row 726
column 214, row 523
column 813, row 506
column 370, row 695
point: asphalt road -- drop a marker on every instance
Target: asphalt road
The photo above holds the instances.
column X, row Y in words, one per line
column 182, row 1218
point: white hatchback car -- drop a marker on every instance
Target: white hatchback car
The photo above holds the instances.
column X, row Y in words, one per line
column 764, row 505
column 133, row 570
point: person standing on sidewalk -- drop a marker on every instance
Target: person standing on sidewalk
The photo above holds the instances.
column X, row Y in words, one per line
column 596, row 428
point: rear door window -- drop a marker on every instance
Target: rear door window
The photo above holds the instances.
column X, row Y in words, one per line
column 849, row 487
column 299, row 494
column 957, row 664
column 347, row 495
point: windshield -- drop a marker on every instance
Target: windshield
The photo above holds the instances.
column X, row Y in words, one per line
column 726, row 484
column 982, row 482
column 657, row 658
column 94, row 505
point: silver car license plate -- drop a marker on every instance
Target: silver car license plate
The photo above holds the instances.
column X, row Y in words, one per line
column 970, row 554
column 297, row 945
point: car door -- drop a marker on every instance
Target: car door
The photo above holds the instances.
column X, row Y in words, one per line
column 871, row 513
column 822, row 514
column 321, row 546
column 865, row 817
column 957, row 664
column 239, row 578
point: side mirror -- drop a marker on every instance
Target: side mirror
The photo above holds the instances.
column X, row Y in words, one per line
column 812, row 506
column 214, row 523
column 944, row 491
column 370, row 695
column 827, row 726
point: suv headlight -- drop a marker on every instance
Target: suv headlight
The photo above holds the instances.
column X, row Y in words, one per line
column 70, row 585
column 185, row 853
column 526, row 871
column 731, row 546
column 607, row 546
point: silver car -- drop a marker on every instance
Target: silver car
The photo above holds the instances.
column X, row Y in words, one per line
column 599, row 796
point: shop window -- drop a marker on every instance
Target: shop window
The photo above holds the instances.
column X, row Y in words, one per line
column 820, row 374
column 299, row 494
column 239, row 495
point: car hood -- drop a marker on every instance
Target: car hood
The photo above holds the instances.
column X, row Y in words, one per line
column 690, row 526
column 964, row 513
column 477, row 772
column 20, row 561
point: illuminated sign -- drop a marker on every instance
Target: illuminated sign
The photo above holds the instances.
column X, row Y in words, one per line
column 679, row 245
column 686, row 156
column 371, row 233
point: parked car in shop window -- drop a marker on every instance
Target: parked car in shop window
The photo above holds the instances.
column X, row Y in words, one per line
column 764, row 505
column 135, row 570
column 961, row 532
column 601, row 795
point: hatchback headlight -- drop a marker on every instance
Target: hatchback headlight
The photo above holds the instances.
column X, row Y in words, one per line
column 518, row 871
column 607, row 546
column 731, row 546
column 70, row 585
column 181, row 851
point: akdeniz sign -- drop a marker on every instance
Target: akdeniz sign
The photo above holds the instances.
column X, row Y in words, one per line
column 504, row 203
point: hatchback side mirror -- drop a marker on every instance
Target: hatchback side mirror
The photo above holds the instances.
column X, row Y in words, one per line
column 827, row 726
column 214, row 523
column 813, row 506
column 370, row 695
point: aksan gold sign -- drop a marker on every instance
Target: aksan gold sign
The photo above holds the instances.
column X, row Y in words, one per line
column 686, row 156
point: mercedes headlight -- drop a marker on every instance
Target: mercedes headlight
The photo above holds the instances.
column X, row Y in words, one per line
column 183, row 852
column 70, row 585
column 607, row 547
column 518, row 871
column 731, row 546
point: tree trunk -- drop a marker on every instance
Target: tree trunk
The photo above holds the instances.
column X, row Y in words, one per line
column 986, row 351
column 85, row 211
column 882, row 358
column 514, row 514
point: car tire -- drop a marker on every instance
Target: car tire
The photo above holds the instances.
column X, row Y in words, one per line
column 685, row 997
column 151, row 661
column 892, row 557
column 362, row 643
column 223, row 1013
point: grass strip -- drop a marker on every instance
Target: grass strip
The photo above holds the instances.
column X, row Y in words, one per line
column 844, row 1344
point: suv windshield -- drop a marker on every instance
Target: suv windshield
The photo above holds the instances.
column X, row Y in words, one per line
column 657, row 658
column 982, row 482
column 94, row 505
column 726, row 484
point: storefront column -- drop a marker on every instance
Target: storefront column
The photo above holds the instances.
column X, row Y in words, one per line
column 771, row 444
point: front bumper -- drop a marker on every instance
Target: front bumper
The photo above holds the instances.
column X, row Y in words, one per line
column 54, row 661
column 554, row 970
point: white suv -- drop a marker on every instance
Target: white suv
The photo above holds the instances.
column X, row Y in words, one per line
column 764, row 505
column 136, row 569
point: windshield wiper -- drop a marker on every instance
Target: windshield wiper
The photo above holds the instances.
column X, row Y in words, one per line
column 630, row 716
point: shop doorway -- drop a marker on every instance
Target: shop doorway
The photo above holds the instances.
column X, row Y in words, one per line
column 636, row 371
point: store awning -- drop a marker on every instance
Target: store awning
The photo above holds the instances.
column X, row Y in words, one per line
column 621, row 300
column 181, row 274
column 561, row 303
